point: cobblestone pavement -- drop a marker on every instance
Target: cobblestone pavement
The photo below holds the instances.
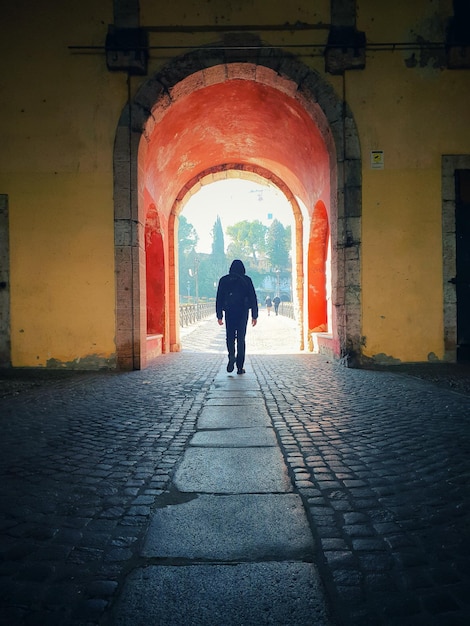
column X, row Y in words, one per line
column 381, row 462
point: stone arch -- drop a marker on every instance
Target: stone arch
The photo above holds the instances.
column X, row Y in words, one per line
column 280, row 73
column 252, row 172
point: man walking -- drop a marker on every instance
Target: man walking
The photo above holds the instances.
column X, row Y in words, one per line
column 236, row 296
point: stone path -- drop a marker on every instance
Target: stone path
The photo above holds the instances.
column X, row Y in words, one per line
column 123, row 494
column 230, row 543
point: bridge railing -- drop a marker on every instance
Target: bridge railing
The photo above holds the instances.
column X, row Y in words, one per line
column 287, row 310
column 192, row 313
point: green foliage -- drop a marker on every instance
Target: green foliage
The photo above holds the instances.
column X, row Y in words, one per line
column 278, row 242
column 208, row 279
column 218, row 245
column 248, row 240
column 187, row 236
column 218, row 259
column 263, row 250
column 187, row 241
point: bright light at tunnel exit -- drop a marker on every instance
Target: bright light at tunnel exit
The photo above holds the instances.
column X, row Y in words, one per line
column 234, row 200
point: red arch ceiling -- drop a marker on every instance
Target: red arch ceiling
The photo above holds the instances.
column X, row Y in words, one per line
column 237, row 121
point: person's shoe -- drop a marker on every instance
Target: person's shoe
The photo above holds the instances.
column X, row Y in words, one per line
column 230, row 365
column 240, row 370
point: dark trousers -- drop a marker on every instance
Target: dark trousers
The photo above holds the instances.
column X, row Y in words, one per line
column 235, row 327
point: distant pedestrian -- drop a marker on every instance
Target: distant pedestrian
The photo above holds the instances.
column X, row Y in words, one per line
column 269, row 303
column 277, row 302
column 236, row 296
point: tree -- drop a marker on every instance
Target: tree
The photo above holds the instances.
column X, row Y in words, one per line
column 208, row 278
column 187, row 242
column 187, row 236
column 218, row 245
column 218, row 259
column 278, row 245
column 248, row 239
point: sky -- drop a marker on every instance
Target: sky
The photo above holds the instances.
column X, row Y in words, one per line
column 234, row 200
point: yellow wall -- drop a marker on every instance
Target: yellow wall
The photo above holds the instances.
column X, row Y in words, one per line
column 415, row 115
column 59, row 115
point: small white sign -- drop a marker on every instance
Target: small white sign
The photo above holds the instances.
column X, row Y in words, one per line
column 377, row 159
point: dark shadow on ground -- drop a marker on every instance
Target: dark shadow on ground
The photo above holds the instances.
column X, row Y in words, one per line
column 450, row 376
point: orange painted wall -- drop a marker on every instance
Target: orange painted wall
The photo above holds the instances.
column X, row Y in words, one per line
column 155, row 272
column 317, row 255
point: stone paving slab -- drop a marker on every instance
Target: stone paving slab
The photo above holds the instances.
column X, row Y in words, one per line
column 230, row 528
column 237, row 470
column 229, row 417
column 227, row 391
column 237, row 403
column 233, row 382
column 234, row 438
column 246, row 594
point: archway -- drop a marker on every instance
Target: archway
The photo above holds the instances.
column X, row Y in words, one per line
column 262, row 176
column 203, row 115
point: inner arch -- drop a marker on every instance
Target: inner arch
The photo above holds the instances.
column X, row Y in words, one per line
column 239, row 122
column 256, row 174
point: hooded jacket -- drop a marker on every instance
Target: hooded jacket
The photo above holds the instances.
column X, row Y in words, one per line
column 236, row 293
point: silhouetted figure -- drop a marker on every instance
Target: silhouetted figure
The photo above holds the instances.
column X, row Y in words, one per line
column 276, row 302
column 269, row 303
column 236, row 296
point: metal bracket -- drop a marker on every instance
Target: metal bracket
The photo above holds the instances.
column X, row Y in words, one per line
column 127, row 50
